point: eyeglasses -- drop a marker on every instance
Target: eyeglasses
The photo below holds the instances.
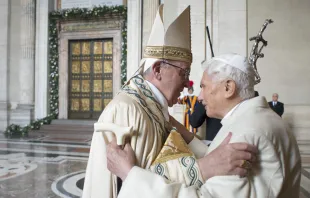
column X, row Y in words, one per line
column 186, row 71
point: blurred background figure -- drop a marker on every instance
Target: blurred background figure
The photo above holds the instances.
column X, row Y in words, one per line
column 276, row 106
column 256, row 93
column 191, row 102
column 199, row 116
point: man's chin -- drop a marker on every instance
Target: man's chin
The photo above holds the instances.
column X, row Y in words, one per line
column 171, row 103
column 211, row 115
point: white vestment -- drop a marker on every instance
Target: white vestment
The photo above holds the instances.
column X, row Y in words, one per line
column 135, row 106
column 276, row 174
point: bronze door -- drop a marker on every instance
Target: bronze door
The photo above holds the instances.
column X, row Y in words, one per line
column 90, row 77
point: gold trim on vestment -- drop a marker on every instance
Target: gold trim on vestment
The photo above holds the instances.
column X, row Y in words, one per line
column 174, row 147
column 169, row 53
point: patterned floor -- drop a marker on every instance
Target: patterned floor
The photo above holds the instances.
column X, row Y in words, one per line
column 43, row 166
column 54, row 166
column 305, row 178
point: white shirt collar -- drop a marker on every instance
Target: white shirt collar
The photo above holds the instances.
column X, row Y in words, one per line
column 161, row 99
column 233, row 109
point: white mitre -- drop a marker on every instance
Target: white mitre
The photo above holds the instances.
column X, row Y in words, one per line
column 170, row 37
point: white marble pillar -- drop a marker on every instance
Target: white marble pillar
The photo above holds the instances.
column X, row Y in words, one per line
column 232, row 26
column 27, row 52
column 209, row 23
column 4, row 24
column 149, row 13
column 215, row 27
column 41, row 59
column 26, row 71
column 134, row 18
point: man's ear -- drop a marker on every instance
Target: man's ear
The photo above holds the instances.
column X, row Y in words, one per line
column 157, row 70
column 230, row 88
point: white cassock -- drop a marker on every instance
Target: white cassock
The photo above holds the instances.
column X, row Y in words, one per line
column 277, row 174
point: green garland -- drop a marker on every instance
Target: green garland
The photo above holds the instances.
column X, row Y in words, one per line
column 59, row 16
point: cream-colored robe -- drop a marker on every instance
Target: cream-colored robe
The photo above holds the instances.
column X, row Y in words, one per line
column 177, row 163
column 277, row 174
column 135, row 106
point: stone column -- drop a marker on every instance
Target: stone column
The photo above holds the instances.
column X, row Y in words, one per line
column 209, row 23
column 4, row 38
column 26, row 72
column 41, row 59
column 133, row 36
column 149, row 13
column 232, row 26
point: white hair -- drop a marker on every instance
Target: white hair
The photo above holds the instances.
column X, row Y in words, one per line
column 220, row 71
column 148, row 62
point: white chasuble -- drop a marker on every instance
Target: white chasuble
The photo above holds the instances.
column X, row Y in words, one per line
column 134, row 106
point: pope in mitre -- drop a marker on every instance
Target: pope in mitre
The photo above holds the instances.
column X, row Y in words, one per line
column 160, row 144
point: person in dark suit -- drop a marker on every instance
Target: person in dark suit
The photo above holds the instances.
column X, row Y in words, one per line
column 256, row 93
column 197, row 118
column 276, row 106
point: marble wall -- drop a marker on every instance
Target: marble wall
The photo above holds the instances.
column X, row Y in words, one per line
column 22, row 52
column 285, row 68
column 226, row 20
column 134, row 36
column 232, row 27
column 4, row 47
column 14, row 54
column 41, row 58
column 198, row 31
column 150, row 8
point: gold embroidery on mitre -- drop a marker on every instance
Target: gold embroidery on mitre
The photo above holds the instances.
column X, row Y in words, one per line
column 174, row 147
column 168, row 52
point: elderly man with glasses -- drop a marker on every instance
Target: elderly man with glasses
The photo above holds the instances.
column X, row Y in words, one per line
column 143, row 103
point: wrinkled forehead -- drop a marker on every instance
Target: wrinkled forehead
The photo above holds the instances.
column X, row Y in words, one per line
column 206, row 79
column 275, row 95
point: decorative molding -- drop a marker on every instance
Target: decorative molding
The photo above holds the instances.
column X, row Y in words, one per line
column 106, row 25
column 77, row 14
column 63, row 62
